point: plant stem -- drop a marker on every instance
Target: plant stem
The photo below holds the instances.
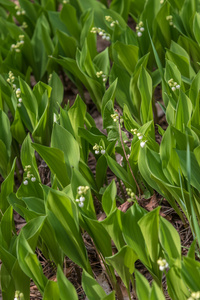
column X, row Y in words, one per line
column 123, row 148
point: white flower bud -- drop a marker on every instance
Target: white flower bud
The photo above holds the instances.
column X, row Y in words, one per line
column 103, row 151
column 25, row 182
column 96, row 152
column 20, row 100
column 178, row 86
column 142, row 29
column 33, row 179
column 81, row 204
column 173, row 88
column 139, row 34
column 142, row 144
column 82, row 198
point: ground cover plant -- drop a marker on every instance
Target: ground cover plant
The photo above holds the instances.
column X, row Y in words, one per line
column 117, row 199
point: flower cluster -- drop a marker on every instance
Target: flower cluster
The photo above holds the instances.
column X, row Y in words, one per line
column 17, row 46
column 18, row 95
column 11, row 79
column 194, row 295
column 99, row 149
column 111, row 21
column 140, row 137
column 81, row 192
column 19, row 11
column 19, row 296
column 162, row 264
column 100, row 74
column 101, row 32
column 173, row 85
column 139, row 29
column 169, row 19
column 130, row 194
column 24, row 25
column 28, row 176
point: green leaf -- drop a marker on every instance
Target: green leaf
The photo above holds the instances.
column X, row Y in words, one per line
column 124, row 263
column 170, row 240
column 65, row 142
column 29, row 263
column 156, row 293
column 133, row 235
column 142, row 286
column 63, row 216
column 145, row 88
column 91, row 287
column 99, row 235
column 126, row 56
column 119, row 171
column 32, row 229
column 183, row 112
column 51, row 291
column 7, row 225
column 113, row 225
column 7, row 188
column 29, row 102
column 66, row 288
column 108, row 199
column 69, row 18
column 194, row 167
column 149, row 225
column 190, row 273
column 177, row 288
column 55, row 160
column 109, row 95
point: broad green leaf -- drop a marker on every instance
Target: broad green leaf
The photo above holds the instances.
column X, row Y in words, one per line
column 133, row 235
column 51, row 291
column 170, row 240
column 91, row 287
column 156, row 293
column 177, row 288
column 108, row 199
column 69, row 18
column 124, row 263
column 28, row 157
column 126, row 56
column 149, row 225
column 77, row 114
column 142, row 286
column 48, row 235
column 7, row 225
column 190, row 273
column 196, row 27
column 113, row 225
column 109, row 95
column 66, row 288
column 119, row 171
column 32, row 229
column 7, row 188
column 29, row 263
column 99, row 235
column 145, row 88
column 5, row 135
column 29, row 102
column 65, row 142
column 21, row 280
column 17, row 128
column 63, row 216
column 183, row 112
column 55, row 161
column 194, row 167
